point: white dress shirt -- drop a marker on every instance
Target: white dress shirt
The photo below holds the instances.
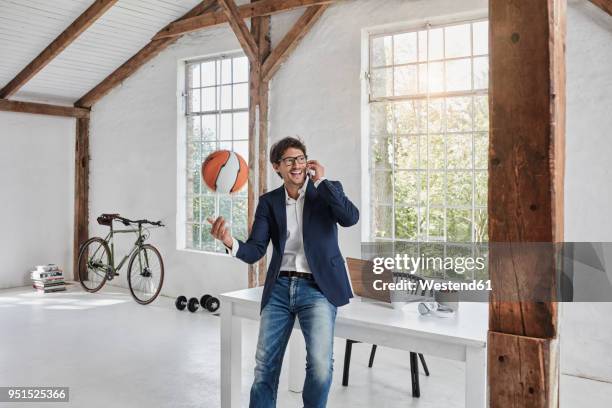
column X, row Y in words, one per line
column 294, row 257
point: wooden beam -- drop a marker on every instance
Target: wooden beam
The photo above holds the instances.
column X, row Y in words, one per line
column 42, row 109
column 523, row 371
column 526, row 171
column 265, row 47
column 257, row 9
column 147, row 53
column 605, row 5
column 85, row 20
column 291, row 40
column 81, row 191
column 241, row 30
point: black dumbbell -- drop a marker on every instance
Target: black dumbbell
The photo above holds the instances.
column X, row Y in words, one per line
column 193, row 305
column 181, row 302
column 210, row 303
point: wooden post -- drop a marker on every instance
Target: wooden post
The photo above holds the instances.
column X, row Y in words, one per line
column 264, row 44
column 526, row 169
column 81, row 190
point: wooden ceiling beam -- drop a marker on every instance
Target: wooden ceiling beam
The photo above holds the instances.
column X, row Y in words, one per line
column 145, row 54
column 85, row 20
column 258, row 9
column 42, row 109
column 291, row 40
column 241, row 30
column 605, row 5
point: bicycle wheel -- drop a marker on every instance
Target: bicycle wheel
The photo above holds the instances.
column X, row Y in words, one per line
column 145, row 274
column 94, row 263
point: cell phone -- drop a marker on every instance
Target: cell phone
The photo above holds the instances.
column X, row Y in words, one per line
column 310, row 173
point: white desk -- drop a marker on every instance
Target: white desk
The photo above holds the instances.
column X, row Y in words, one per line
column 461, row 337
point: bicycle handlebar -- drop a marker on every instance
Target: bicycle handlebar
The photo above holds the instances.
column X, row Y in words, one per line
column 127, row 222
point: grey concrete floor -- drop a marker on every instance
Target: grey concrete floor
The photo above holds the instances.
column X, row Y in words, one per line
column 112, row 352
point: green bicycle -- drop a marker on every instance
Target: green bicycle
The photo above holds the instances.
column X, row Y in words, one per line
column 96, row 261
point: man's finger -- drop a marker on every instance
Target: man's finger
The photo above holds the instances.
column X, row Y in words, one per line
column 218, row 225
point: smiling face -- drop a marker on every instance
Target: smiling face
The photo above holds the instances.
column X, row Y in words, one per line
column 294, row 175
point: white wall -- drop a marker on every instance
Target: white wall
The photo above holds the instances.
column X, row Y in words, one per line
column 36, row 199
column 587, row 327
column 316, row 95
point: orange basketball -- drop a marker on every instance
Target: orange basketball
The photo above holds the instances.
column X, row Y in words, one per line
column 225, row 171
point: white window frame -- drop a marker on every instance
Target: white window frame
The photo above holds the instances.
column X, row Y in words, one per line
column 182, row 177
column 366, row 36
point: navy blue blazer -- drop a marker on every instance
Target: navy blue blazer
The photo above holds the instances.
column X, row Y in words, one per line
column 324, row 208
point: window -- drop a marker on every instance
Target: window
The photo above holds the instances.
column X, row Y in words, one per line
column 428, row 134
column 217, row 117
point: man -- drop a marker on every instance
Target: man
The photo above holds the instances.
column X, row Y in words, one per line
column 306, row 276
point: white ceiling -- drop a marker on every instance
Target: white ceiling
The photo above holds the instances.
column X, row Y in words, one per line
column 28, row 26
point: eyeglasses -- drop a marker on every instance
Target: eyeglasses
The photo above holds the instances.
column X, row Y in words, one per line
column 290, row 161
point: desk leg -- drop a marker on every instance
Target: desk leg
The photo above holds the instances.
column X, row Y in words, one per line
column 476, row 377
column 297, row 361
column 231, row 350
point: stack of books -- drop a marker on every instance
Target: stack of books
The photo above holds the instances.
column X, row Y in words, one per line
column 48, row 278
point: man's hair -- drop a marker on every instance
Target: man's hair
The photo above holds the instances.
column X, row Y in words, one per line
column 278, row 149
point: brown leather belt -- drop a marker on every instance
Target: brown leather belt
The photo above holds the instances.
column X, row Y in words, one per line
column 292, row 274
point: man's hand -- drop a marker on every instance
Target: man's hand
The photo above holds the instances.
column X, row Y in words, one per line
column 220, row 231
column 318, row 169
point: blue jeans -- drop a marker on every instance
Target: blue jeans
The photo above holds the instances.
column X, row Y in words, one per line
column 293, row 297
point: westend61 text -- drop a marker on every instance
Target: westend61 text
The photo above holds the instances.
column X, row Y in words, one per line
column 427, row 285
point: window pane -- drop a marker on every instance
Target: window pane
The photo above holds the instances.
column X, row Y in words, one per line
column 436, row 188
column 482, row 188
column 209, row 127
column 225, row 97
column 193, row 236
column 436, row 49
column 458, row 75
column 194, row 101
column 481, row 113
column 208, row 99
column 481, row 225
column 410, row 116
column 459, row 225
column 459, row 188
column 436, row 115
column 459, row 151
column 435, row 73
column 481, row 73
column 406, row 223
column 382, row 190
column 457, row 40
column 381, row 51
column 459, row 114
column 381, row 153
column 241, row 69
column 382, row 82
column 481, row 142
column 241, row 96
column 481, row 38
column 436, row 152
column 406, row 188
column 193, row 127
column 194, row 76
column 381, row 118
column 239, row 217
column 436, row 224
column 406, row 80
column 382, row 221
column 208, row 73
column 407, row 152
column 423, row 78
column 405, row 48
column 241, row 125
column 225, row 125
